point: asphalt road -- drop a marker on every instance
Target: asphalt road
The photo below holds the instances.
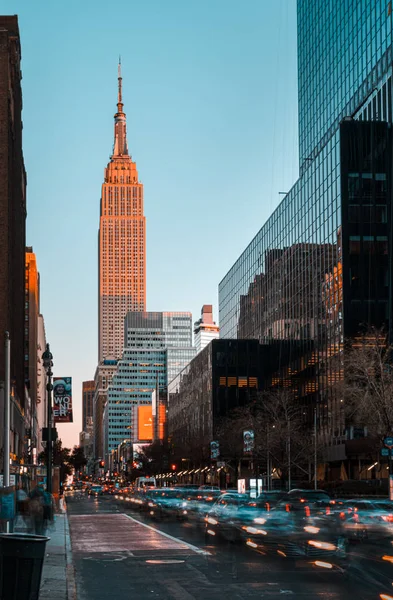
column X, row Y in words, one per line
column 118, row 553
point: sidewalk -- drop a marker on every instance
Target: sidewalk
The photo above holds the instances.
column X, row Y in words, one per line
column 58, row 580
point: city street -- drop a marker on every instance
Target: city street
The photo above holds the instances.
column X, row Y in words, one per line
column 119, row 553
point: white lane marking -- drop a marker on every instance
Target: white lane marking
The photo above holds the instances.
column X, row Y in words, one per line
column 190, row 546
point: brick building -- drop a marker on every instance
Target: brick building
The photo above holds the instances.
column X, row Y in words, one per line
column 12, row 223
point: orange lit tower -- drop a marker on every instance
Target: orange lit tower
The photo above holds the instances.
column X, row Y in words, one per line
column 122, row 245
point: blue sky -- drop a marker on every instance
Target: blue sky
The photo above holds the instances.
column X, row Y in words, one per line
column 210, row 92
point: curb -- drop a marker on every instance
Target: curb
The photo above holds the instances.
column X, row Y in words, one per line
column 70, row 570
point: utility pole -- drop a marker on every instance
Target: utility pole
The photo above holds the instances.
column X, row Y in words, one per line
column 315, row 448
column 48, row 364
column 7, row 395
column 267, row 459
column 289, row 456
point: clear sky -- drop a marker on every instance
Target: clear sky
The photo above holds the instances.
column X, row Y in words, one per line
column 210, row 92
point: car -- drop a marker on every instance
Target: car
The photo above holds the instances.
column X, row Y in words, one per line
column 364, row 519
column 197, row 503
column 210, row 488
column 187, row 486
column 95, row 490
column 166, row 503
column 222, row 520
column 311, row 536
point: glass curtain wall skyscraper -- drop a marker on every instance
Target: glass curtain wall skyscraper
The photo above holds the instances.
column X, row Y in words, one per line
column 158, row 345
column 293, row 281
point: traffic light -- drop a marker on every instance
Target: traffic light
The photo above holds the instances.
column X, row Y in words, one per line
column 102, row 463
column 173, row 467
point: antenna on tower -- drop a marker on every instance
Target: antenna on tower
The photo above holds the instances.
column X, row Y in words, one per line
column 119, row 96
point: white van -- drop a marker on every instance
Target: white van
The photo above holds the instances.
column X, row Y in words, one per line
column 145, row 482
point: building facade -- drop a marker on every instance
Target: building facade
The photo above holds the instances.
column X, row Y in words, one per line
column 171, row 330
column 86, row 443
column 32, row 311
column 292, row 282
column 12, row 227
column 205, row 329
column 121, row 243
column 121, row 262
column 225, row 375
column 157, row 346
column 88, row 389
column 42, row 398
column 103, row 376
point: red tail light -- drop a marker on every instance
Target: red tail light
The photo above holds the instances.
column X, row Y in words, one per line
column 388, row 518
column 307, row 511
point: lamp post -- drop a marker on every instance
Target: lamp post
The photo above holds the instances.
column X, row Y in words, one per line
column 48, row 364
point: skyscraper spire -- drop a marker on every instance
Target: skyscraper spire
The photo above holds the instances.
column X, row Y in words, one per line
column 120, row 147
column 120, row 91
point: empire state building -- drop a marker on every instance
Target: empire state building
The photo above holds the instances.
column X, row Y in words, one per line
column 122, row 245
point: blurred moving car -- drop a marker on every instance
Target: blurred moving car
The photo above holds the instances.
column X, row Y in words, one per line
column 95, row 490
column 301, row 528
column 166, row 502
column 366, row 519
column 223, row 518
column 197, row 503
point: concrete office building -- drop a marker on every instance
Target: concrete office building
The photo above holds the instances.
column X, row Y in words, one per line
column 205, row 329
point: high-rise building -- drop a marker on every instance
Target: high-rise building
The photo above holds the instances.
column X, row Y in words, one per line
column 205, row 329
column 42, row 397
column 122, row 252
column 88, row 389
column 32, row 311
column 344, row 68
column 171, row 330
column 158, row 345
column 320, row 267
column 121, row 262
column 103, row 376
column 12, row 226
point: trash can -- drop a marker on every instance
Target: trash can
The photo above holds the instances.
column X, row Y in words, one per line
column 21, row 560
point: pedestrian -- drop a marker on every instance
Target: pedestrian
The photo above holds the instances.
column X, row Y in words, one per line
column 49, row 510
column 36, row 509
column 22, row 507
column 62, row 505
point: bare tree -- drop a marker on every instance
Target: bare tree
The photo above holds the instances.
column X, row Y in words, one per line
column 368, row 382
column 282, row 441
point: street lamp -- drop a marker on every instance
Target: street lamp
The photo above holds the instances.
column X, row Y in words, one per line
column 48, row 364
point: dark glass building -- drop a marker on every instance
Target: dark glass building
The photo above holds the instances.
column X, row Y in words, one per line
column 224, row 375
column 320, row 267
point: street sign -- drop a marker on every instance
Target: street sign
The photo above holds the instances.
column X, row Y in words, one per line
column 384, row 451
column 388, row 442
column 220, row 463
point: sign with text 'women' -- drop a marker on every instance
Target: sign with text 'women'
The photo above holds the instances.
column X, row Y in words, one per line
column 62, row 399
